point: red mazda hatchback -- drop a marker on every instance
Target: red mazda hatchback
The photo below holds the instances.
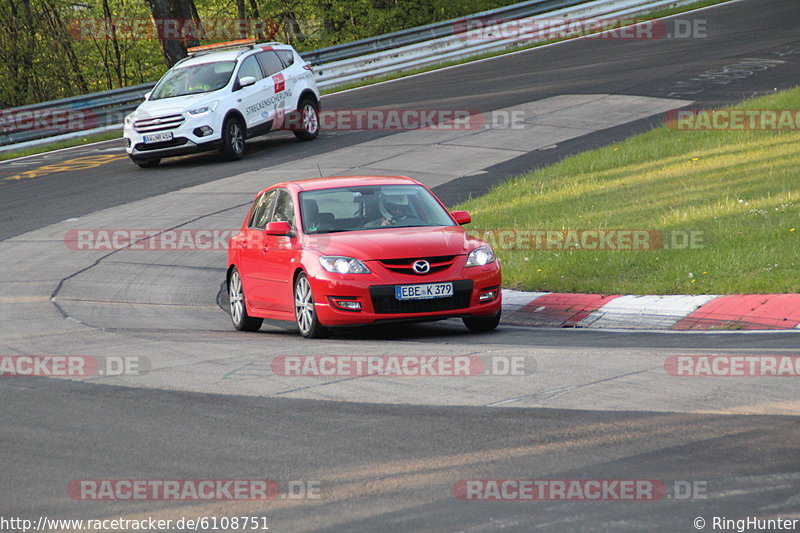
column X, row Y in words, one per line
column 358, row 250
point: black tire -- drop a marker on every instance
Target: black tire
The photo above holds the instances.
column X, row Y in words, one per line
column 233, row 136
column 147, row 163
column 304, row 313
column 307, row 119
column 241, row 320
column 482, row 324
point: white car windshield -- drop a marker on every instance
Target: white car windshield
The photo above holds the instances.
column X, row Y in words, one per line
column 194, row 79
column 370, row 207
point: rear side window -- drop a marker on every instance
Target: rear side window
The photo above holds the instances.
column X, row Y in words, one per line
column 261, row 210
column 269, row 62
column 287, row 57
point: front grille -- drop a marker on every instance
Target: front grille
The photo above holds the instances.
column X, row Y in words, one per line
column 384, row 300
column 403, row 266
column 177, row 141
column 150, row 125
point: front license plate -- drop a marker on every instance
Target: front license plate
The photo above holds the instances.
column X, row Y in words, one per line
column 423, row 292
column 158, row 137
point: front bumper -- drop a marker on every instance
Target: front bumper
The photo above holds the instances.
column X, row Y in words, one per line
column 375, row 294
column 186, row 139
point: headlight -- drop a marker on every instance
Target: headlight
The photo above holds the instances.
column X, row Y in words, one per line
column 343, row 265
column 202, row 110
column 480, row 256
column 128, row 119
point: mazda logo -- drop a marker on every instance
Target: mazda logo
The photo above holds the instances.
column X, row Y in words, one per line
column 421, row 266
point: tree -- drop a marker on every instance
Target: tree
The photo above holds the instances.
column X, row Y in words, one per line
column 170, row 16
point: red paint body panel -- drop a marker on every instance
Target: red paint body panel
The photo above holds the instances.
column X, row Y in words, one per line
column 272, row 261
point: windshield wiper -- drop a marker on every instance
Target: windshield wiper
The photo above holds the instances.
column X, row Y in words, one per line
column 412, row 226
column 330, row 231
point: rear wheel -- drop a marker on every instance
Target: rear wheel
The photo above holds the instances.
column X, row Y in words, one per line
column 309, row 120
column 232, row 139
column 306, row 316
column 241, row 320
column 481, row 324
column 147, row 163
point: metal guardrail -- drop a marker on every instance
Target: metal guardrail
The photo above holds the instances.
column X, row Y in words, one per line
column 100, row 110
column 348, row 62
column 435, row 30
column 459, row 45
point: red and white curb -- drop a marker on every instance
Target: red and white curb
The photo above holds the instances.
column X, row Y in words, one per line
column 671, row 312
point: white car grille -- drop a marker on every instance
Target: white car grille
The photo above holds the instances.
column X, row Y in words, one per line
column 166, row 122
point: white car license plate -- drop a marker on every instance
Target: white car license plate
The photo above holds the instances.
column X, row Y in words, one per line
column 423, row 292
column 158, row 137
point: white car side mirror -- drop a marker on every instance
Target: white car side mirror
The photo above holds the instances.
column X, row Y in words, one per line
column 247, row 81
column 147, row 95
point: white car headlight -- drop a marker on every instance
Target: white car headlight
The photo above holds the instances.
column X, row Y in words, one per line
column 203, row 109
column 128, row 119
column 343, row 265
column 481, row 256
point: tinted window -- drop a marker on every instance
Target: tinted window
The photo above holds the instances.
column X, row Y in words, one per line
column 270, row 62
column 287, row 57
column 260, row 212
column 250, row 68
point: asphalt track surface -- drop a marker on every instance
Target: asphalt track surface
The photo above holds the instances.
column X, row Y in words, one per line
column 393, row 467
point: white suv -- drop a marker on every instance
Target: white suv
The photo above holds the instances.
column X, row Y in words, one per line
column 221, row 95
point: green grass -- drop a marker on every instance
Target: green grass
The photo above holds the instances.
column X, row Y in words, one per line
column 741, row 189
column 57, row 145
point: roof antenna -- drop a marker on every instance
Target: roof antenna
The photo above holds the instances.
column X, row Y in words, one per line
column 319, row 170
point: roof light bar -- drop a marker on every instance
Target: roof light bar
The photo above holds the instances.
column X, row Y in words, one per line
column 217, row 46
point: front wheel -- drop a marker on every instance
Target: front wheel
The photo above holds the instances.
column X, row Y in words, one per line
column 308, row 113
column 241, row 320
column 232, row 139
column 482, row 324
column 304, row 312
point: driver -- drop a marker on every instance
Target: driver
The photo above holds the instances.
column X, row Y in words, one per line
column 393, row 209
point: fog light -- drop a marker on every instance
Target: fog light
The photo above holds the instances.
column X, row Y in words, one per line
column 127, row 143
column 487, row 296
column 202, row 131
column 346, row 305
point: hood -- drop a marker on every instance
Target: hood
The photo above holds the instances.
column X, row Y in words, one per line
column 171, row 106
column 395, row 243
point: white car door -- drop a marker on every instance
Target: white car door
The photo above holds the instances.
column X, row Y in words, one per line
column 282, row 91
column 254, row 101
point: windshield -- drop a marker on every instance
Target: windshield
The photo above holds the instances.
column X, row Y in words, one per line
column 194, row 79
column 370, row 207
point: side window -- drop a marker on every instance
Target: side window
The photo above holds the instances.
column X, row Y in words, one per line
column 261, row 210
column 269, row 62
column 287, row 57
column 250, row 68
column 284, row 208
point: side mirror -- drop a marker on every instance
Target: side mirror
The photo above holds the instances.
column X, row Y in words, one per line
column 147, row 95
column 461, row 217
column 278, row 228
column 247, row 81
